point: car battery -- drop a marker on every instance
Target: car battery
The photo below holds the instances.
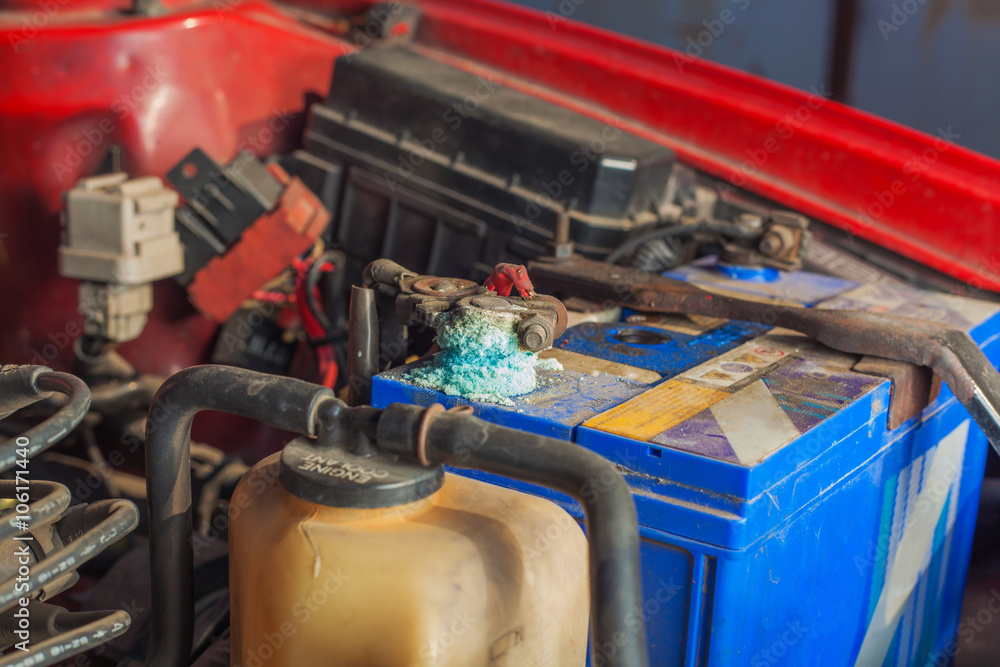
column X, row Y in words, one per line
column 782, row 520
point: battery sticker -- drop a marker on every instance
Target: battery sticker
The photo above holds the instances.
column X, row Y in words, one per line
column 688, row 394
column 908, row 561
column 657, row 410
column 908, row 301
column 742, row 406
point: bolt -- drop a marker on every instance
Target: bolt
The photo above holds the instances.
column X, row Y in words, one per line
column 534, row 337
column 770, row 244
column 561, row 232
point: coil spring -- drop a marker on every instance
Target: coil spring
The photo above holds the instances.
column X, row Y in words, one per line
column 42, row 540
column 656, row 256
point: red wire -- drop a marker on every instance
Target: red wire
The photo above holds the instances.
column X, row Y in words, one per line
column 272, row 297
column 314, row 330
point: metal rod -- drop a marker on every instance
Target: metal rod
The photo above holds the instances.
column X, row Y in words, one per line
column 948, row 351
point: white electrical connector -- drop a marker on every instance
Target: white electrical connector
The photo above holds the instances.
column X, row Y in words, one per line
column 119, row 238
column 121, row 230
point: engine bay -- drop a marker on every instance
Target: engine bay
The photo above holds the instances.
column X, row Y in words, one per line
column 487, row 370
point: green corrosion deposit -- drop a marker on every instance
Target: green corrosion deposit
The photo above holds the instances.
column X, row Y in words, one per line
column 480, row 358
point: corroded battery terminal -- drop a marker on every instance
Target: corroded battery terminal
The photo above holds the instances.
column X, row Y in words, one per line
column 417, row 299
column 488, row 339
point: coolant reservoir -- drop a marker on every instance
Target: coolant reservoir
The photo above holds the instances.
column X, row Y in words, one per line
column 339, row 560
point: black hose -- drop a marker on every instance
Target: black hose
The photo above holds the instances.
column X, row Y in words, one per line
column 362, row 345
column 19, row 389
column 281, row 402
column 125, row 396
column 686, row 228
column 615, row 585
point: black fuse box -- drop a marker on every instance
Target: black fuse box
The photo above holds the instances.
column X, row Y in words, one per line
column 448, row 172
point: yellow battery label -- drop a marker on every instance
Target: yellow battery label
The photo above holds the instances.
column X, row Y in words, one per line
column 657, row 410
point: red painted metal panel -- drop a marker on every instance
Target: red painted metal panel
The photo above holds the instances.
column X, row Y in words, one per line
column 234, row 74
column 918, row 195
column 224, row 75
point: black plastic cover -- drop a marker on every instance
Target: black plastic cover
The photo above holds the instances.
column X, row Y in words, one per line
column 335, row 477
column 450, row 173
column 200, row 243
column 504, row 133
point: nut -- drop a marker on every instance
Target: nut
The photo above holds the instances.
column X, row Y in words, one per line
column 777, row 242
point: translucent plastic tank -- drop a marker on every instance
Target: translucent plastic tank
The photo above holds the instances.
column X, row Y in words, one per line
column 467, row 574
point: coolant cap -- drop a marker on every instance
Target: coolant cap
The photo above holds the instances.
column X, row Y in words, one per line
column 335, row 477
